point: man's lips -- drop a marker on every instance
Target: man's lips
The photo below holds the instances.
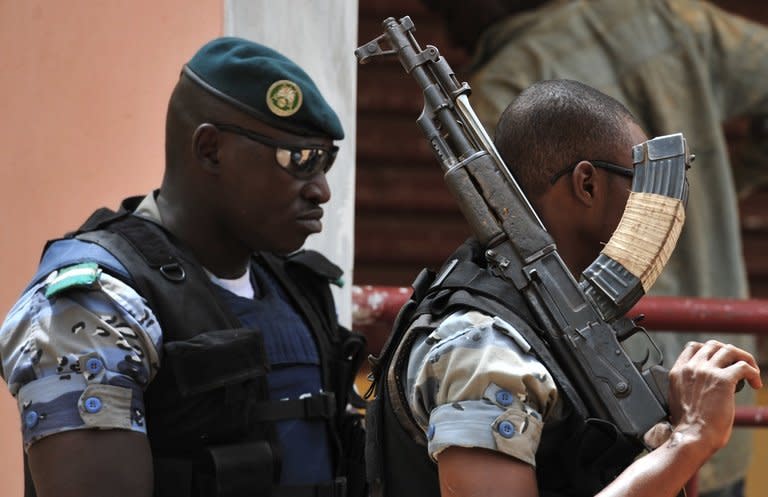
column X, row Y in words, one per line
column 311, row 215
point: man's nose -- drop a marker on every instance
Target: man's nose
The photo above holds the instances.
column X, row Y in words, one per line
column 317, row 189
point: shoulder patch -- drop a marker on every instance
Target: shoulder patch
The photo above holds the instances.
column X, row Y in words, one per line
column 83, row 275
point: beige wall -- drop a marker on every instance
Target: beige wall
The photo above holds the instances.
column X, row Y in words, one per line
column 83, row 88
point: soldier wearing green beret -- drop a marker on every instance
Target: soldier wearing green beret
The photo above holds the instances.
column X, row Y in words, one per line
column 184, row 345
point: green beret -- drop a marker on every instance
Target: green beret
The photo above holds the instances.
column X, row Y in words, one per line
column 265, row 84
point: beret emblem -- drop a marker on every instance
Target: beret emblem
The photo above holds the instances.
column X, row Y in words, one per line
column 284, row 98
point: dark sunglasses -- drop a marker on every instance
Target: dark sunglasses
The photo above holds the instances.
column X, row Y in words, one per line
column 302, row 163
column 608, row 166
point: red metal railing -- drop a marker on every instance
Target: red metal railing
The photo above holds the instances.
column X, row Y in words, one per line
column 374, row 309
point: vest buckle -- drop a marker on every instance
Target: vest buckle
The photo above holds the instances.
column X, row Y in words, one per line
column 173, row 271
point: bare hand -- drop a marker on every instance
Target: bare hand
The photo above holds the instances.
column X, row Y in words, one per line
column 702, row 388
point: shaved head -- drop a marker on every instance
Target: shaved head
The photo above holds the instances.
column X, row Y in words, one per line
column 556, row 123
column 189, row 106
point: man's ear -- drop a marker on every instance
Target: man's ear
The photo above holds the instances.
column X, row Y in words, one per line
column 583, row 183
column 205, row 145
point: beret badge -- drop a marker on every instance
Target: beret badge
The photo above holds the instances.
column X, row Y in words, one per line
column 284, row 98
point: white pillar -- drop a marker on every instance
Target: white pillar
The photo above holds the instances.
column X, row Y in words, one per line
column 320, row 36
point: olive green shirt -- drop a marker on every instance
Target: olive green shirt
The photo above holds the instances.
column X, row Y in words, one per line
column 679, row 66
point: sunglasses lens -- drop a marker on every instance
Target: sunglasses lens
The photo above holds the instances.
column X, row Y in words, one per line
column 283, row 157
column 300, row 162
column 306, row 162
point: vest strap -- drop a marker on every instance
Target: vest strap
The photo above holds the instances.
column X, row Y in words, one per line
column 242, row 469
column 237, row 470
column 318, row 406
column 151, row 243
column 468, row 276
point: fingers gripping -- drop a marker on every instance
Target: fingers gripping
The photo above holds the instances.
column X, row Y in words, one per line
column 724, row 361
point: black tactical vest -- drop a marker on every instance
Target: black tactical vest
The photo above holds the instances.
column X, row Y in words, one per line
column 211, row 425
column 576, row 457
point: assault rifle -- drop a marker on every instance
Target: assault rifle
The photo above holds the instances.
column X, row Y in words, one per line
column 583, row 322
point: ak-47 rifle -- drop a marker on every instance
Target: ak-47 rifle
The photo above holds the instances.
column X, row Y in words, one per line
column 583, row 322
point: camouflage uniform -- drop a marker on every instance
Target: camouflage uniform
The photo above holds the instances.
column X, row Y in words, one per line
column 78, row 349
column 473, row 382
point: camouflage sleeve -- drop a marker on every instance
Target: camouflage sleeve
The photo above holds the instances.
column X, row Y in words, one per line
column 78, row 354
column 473, row 383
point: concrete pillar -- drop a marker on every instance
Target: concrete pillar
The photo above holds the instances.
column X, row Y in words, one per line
column 321, row 37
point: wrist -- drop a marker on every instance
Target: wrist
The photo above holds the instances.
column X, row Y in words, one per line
column 691, row 443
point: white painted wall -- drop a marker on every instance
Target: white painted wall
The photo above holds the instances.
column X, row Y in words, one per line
column 320, row 36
